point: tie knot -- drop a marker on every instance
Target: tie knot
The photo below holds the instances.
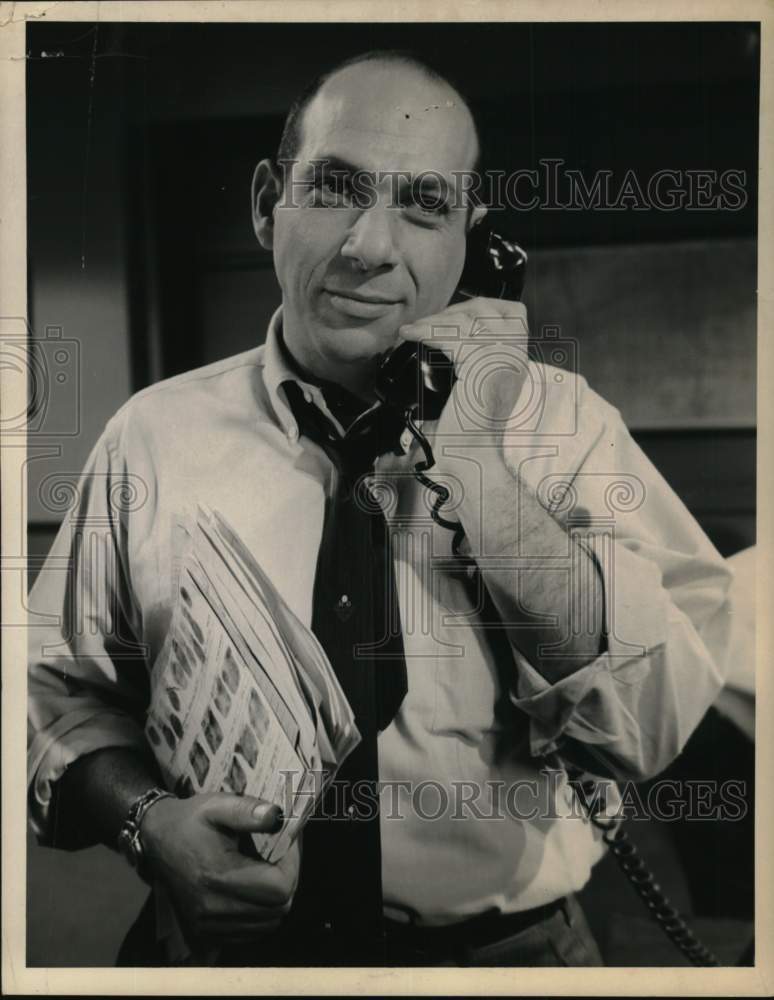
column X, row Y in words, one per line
column 371, row 435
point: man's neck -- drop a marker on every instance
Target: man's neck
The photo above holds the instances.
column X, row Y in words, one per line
column 345, row 404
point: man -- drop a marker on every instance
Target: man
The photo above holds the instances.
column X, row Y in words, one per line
column 575, row 626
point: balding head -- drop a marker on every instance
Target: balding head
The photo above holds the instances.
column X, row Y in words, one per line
column 418, row 93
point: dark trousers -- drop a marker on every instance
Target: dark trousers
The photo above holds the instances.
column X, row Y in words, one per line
column 561, row 939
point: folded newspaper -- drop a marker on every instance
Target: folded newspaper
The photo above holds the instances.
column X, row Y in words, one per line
column 243, row 697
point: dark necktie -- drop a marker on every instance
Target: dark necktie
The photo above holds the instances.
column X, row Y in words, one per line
column 356, row 619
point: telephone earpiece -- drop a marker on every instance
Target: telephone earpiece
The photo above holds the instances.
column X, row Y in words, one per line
column 418, row 379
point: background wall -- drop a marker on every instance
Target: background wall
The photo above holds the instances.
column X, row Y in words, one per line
column 141, row 144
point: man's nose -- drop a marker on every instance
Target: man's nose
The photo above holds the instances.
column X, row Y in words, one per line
column 370, row 241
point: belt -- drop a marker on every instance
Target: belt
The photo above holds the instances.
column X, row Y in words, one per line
column 487, row 928
column 317, row 944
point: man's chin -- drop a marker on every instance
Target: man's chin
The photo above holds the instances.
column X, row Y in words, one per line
column 362, row 342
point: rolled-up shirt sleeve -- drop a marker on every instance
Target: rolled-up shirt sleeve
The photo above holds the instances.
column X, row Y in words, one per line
column 666, row 614
column 87, row 676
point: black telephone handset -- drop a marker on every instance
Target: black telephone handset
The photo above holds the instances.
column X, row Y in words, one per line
column 416, row 379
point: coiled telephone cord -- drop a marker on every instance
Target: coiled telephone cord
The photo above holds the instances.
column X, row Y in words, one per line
column 629, row 859
column 643, row 881
column 442, row 494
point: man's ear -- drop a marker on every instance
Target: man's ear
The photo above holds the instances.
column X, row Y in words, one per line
column 477, row 216
column 265, row 193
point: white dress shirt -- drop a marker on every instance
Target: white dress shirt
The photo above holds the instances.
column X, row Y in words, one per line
column 471, row 819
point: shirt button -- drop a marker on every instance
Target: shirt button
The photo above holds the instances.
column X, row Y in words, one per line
column 293, row 434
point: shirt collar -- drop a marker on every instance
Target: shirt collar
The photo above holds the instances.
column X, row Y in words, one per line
column 276, row 370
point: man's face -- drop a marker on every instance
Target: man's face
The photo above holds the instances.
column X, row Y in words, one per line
column 352, row 270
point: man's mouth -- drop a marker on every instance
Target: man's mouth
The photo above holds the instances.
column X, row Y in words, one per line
column 360, row 304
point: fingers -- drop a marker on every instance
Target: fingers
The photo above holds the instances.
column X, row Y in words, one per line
column 478, row 308
column 243, row 814
column 257, row 883
column 290, row 863
column 476, row 320
column 495, row 307
column 251, row 898
column 443, row 327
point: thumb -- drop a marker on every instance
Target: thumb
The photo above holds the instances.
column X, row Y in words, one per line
column 244, row 814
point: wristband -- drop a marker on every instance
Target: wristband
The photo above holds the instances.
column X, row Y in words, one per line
column 129, row 842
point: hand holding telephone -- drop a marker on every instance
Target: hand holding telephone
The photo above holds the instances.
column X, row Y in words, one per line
column 418, row 380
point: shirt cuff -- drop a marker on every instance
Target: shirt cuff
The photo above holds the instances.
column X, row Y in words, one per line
column 58, row 746
column 587, row 705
